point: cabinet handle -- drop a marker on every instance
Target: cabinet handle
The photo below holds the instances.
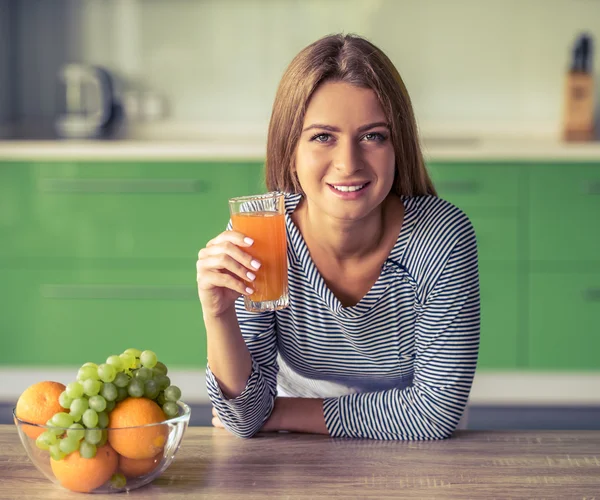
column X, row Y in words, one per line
column 592, row 187
column 467, row 187
column 592, row 294
column 121, row 186
column 119, row 292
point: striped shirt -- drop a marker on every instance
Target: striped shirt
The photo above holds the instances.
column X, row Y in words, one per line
column 397, row 365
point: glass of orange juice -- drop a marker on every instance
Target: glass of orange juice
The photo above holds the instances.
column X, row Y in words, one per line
column 262, row 218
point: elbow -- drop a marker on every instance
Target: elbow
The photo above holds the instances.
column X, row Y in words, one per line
column 243, row 430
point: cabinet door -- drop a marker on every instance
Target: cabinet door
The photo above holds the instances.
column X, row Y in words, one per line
column 564, row 207
column 564, row 321
column 78, row 314
column 499, row 317
column 481, row 185
column 121, row 210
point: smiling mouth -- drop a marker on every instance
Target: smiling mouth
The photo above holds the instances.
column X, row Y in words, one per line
column 349, row 189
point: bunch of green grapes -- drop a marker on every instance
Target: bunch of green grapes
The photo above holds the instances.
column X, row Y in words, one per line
column 96, row 392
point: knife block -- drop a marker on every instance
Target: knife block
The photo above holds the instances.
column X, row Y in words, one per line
column 578, row 116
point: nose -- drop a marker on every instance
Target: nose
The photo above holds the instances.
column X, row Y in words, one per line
column 347, row 159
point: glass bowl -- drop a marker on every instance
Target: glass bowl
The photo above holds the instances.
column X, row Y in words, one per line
column 131, row 456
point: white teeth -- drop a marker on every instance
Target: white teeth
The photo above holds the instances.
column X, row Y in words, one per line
column 349, row 189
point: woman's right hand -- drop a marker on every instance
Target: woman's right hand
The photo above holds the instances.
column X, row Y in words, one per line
column 221, row 269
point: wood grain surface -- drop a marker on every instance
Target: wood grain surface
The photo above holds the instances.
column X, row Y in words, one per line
column 211, row 464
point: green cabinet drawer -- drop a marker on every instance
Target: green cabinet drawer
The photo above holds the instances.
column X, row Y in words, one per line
column 564, row 321
column 482, row 185
column 499, row 318
column 122, row 210
column 497, row 236
column 564, row 207
column 71, row 316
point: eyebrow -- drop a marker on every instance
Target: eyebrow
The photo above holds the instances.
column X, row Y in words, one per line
column 336, row 129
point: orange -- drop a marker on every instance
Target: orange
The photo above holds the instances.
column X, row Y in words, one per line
column 38, row 404
column 132, row 467
column 85, row 474
column 141, row 442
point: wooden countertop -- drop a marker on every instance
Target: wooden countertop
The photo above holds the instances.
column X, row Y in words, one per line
column 473, row 464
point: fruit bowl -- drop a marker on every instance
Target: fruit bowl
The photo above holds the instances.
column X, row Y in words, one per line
column 125, row 458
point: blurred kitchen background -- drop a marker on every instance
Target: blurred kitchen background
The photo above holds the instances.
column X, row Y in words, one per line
column 126, row 124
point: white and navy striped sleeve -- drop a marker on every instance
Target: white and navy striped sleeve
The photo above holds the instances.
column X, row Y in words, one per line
column 245, row 415
column 446, row 349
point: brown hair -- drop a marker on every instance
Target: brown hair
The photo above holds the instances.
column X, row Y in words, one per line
column 354, row 60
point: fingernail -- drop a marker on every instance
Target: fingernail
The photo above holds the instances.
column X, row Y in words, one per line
column 249, row 241
column 255, row 264
column 251, row 276
column 249, row 291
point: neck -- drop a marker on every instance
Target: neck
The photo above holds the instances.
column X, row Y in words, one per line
column 343, row 240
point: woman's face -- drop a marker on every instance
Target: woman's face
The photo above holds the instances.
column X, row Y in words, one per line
column 345, row 158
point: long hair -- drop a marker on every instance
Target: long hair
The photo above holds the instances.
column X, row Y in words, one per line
column 354, row 60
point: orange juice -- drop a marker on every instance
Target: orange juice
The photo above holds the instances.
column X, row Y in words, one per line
column 267, row 229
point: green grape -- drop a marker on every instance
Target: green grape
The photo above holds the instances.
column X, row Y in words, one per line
column 89, row 363
column 53, row 428
column 150, row 389
column 133, row 352
column 87, row 372
column 160, row 369
column 74, row 390
column 78, row 407
column 76, row 431
column 122, row 393
column 87, row 450
column 103, row 420
column 116, row 362
column 68, row 445
column 128, row 361
column 90, row 418
column 97, row 403
column 104, row 438
column 55, row 452
column 91, row 387
column 136, row 388
column 170, row 409
column 93, row 436
column 110, row 406
column 160, row 399
column 109, row 391
column 64, row 400
column 122, row 380
column 172, row 393
column 143, row 374
column 163, row 381
column 148, row 359
column 45, row 439
column 62, row 419
column 118, row 481
column 107, row 373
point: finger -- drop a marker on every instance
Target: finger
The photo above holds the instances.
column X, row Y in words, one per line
column 225, row 262
column 234, row 251
column 234, row 237
column 214, row 412
column 209, row 280
column 217, row 423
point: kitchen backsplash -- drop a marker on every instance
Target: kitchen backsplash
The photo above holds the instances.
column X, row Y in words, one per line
column 464, row 62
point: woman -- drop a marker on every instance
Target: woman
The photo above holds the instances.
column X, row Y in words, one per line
column 382, row 333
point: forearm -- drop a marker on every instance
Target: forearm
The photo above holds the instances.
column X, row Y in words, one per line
column 297, row 415
column 228, row 356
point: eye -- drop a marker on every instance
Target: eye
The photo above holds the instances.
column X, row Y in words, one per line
column 374, row 137
column 321, row 137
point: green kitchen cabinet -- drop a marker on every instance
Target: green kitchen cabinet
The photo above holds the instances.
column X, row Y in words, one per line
column 564, row 208
column 69, row 316
column 117, row 210
column 564, row 321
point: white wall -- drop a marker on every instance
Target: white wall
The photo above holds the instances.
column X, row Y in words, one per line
column 466, row 62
